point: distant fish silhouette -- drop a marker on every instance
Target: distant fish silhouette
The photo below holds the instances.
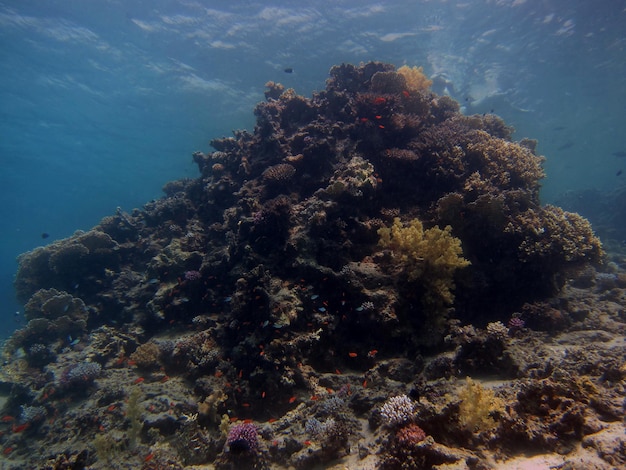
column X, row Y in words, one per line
column 619, row 172
column 558, row 128
column 566, row 146
column 288, row 70
column 619, row 153
column 45, row 235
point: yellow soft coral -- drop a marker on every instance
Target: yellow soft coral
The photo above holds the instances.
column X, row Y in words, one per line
column 428, row 256
column 478, row 407
column 415, row 78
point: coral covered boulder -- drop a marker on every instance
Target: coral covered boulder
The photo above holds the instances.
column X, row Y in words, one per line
column 363, row 219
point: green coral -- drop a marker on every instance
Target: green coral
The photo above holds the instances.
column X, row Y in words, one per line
column 133, row 413
column 430, row 257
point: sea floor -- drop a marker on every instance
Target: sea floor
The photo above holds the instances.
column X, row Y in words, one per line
column 561, row 394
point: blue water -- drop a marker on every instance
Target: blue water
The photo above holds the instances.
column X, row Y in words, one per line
column 102, row 102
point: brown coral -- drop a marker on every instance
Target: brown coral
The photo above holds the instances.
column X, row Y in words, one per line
column 504, row 165
column 550, row 233
column 279, row 174
column 146, row 356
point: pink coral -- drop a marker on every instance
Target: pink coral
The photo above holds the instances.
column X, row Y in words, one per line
column 243, row 438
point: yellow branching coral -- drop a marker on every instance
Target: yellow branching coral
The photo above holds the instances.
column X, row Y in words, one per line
column 428, row 256
column 415, row 78
column 478, row 406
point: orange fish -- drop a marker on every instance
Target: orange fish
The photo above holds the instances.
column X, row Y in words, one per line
column 372, row 353
column 352, row 354
column 20, row 428
column 380, row 100
column 139, row 380
column 406, row 94
column 148, row 457
column 7, row 419
column 292, row 399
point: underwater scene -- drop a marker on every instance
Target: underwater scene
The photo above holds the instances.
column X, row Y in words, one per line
column 341, row 235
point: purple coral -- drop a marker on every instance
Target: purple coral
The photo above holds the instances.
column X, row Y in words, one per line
column 192, row 275
column 243, row 438
column 515, row 324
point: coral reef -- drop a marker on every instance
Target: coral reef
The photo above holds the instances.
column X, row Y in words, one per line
column 367, row 242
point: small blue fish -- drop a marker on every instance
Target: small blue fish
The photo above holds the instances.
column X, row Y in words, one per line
column 228, row 299
column 322, row 309
column 314, row 296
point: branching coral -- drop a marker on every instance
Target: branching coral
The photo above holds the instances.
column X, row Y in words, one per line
column 429, row 256
column 504, row 164
column 555, row 234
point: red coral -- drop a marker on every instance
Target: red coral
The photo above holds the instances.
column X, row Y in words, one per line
column 410, row 435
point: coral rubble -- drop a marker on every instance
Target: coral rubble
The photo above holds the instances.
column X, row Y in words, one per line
column 318, row 294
